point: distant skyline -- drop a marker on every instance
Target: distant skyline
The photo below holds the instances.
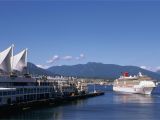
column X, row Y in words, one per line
column 77, row 32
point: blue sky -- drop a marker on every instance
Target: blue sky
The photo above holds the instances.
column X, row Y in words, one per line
column 73, row 32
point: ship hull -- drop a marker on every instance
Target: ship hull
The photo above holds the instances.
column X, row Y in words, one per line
column 143, row 90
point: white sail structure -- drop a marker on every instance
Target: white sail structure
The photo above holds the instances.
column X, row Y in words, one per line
column 5, row 59
column 19, row 61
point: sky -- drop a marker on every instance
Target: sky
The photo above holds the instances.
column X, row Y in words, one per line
column 76, row 32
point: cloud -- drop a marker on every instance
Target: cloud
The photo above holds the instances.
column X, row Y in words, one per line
column 54, row 59
column 157, row 68
column 147, row 68
column 81, row 56
column 153, row 69
column 57, row 58
column 143, row 67
column 67, row 57
column 43, row 66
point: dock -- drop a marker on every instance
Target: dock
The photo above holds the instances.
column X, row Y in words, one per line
column 10, row 109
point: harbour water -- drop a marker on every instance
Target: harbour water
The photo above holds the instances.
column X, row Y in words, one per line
column 111, row 106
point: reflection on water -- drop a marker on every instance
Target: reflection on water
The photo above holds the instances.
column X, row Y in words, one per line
column 50, row 113
column 111, row 106
column 133, row 98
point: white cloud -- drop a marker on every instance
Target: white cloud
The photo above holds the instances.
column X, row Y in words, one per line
column 57, row 58
column 157, row 68
column 81, row 56
column 154, row 69
column 143, row 67
column 49, row 61
column 43, row 66
column 147, row 68
column 67, row 57
column 54, row 59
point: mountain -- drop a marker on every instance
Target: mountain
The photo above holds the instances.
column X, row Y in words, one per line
column 34, row 70
column 99, row 70
column 158, row 71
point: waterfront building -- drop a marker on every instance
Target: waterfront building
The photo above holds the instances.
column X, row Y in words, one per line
column 17, row 86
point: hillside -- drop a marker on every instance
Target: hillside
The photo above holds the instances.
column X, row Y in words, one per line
column 99, row 70
column 34, row 70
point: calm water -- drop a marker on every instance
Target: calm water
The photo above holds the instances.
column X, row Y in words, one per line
column 111, row 106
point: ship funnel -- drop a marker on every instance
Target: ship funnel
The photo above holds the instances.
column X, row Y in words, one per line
column 126, row 74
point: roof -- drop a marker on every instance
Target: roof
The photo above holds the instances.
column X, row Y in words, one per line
column 7, row 88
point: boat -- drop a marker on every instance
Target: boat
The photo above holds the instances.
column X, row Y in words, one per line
column 138, row 84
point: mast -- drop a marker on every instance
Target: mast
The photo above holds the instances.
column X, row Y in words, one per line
column 26, row 61
column 12, row 59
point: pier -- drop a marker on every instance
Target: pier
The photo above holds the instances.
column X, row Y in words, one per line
column 10, row 109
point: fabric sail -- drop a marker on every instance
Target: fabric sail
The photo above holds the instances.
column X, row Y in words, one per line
column 19, row 61
column 5, row 59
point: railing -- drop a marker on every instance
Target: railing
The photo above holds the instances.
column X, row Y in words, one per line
column 26, row 91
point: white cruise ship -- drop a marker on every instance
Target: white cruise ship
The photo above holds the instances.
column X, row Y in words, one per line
column 140, row 84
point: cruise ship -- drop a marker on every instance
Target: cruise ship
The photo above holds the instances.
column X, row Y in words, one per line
column 140, row 84
column 18, row 87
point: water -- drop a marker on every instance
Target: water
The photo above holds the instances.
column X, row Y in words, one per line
column 111, row 106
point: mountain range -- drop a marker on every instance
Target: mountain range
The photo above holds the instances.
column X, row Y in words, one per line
column 91, row 70
column 158, row 71
column 34, row 70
